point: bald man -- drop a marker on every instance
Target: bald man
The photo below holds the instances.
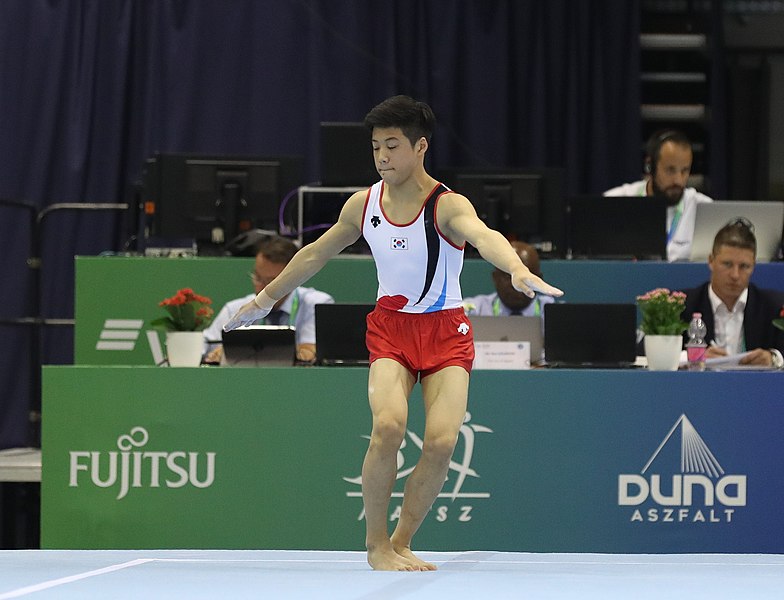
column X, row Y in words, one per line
column 506, row 300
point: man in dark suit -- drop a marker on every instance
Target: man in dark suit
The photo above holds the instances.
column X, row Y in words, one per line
column 737, row 313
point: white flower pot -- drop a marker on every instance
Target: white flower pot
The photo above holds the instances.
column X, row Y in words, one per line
column 184, row 348
column 663, row 352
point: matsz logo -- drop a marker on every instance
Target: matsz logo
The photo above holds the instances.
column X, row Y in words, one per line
column 140, row 468
column 459, row 472
column 702, row 492
column 119, row 334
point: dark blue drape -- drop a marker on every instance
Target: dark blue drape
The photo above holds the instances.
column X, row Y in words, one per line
column 89, row 88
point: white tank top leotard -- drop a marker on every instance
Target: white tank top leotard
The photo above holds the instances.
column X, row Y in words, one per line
column 418, row 268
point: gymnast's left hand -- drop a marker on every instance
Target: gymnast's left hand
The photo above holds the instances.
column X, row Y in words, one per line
column 528, row 283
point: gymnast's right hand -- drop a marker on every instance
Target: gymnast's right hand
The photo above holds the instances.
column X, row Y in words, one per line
column 256, row 309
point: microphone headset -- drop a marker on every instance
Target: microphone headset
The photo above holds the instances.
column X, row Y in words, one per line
column 654, row 144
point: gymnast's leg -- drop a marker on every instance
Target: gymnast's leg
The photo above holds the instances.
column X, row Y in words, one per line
column 389, row 386
column 446, row 397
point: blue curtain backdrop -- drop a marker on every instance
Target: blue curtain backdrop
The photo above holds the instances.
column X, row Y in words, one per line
column 90, row 88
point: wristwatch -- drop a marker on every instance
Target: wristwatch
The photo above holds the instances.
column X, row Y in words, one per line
column 775, row 358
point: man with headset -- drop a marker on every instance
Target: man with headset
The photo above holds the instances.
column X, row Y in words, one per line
column 668, row 163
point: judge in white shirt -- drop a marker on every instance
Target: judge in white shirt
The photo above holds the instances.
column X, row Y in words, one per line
column 668, row 164
column 297, row 308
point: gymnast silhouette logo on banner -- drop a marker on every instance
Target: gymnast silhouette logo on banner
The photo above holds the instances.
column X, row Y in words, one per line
column 682, row 483
column 460, row 481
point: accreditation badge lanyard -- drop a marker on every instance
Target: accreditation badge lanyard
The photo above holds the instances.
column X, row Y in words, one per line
column 675, row 220
column 497, row 307
column 294, row 309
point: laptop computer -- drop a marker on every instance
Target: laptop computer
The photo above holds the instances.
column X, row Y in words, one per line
column 340, row 334
column 767, row 218
column 510, row 329
column 590, row 335
column 346, row 155
column 617, row 227
column 259, row 345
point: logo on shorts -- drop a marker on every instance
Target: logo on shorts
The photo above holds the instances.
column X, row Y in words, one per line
column 462, row 328
column 397, row 243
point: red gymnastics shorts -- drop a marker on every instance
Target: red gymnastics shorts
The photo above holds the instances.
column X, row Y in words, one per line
column 422, row 342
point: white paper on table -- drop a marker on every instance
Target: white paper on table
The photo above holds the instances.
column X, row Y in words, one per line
column 731, row 360
column 732, row 363
column 502, row 355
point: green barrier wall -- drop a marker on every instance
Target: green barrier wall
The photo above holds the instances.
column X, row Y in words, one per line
column 117, row 296
column 547, row 461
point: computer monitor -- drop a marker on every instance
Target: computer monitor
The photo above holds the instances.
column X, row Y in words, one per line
column 522, row 203
column 340, row 334
column 510, row 328
column 212, row 199
column 617, row 227
column 590, row 335
column 346, row 155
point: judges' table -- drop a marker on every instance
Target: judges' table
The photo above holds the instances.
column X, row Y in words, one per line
column 546, row 461
column 117, row 297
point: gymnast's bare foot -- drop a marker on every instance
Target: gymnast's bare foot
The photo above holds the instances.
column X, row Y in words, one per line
column 384, row 558
column 419, row 564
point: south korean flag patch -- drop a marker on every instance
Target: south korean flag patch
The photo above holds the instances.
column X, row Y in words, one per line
column 397, row 243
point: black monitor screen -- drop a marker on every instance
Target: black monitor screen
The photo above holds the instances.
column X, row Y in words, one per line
column 508, row 202
column 213, row 199
column 617, row 227
column 523, row 204
column 346, row 155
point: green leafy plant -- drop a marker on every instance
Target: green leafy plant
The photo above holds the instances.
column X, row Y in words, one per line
column 187, row 311
column 661, row 312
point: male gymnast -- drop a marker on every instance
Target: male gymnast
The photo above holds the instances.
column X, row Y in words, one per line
column 416, row 229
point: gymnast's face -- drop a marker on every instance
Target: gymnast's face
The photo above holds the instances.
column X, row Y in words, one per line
column 394, row 156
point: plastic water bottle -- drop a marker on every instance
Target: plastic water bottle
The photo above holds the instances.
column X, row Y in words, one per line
column 696, row 346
